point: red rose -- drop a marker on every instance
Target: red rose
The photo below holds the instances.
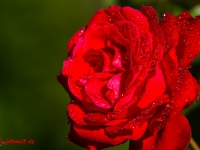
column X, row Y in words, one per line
column 128, row 78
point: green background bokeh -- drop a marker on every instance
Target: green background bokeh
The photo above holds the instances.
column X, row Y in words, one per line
column 33, row 42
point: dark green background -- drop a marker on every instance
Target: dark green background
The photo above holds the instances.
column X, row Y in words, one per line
column 33, row 41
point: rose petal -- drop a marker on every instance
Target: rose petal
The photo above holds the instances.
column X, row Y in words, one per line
column 114, row 84
column 127, row 110
column 170, row 64
column 110, row 15
column 84, row 142
column 125, row 99
column 95, row 89
column 145, row 49
column 186, row 90
column 75, row 71
column 172, row 137
column 96, row 118
column 99, row 135
column 170, row 30
column 130, row 31
column 97, row 35
column 74, row 39
column 76, row 112
column 116, row 122
column 152, row 16
column 184, row 15
column 136, row 17
column 189, row 42
column 90, row 106
column 150, row 94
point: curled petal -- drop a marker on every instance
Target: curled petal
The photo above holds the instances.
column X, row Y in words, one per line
column 150, row 94
column 95, row 89
column 137, row 18
column 152, row 16
column 73, row 41
column 189, row 42
column 172, row 137
column 76, row 112
column 186, row 91
column 100, row 135
column 110, row 15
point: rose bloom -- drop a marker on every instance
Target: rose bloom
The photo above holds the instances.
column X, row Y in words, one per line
column 127, row 77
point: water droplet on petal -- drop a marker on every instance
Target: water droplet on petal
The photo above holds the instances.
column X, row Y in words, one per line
column 187, row 43
column 190, row 55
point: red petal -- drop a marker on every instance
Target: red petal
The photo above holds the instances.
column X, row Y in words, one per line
column 116, row 122
column 150, row 94
column 76, row 113
column 110, row 15
column 96, row 118
column 137, row 18
column 89, row 105
column 97, row 35
column 170, row 30
column 96, row 90
column 99, row 135
column 184, row 15
column 145, row 143
column 170, row 64
column 189, row 42
column 152, row 16
column 114, row 84
column 125, row 100
column 131, row 32
column 175, row 136
column 186, row 90
column 74, row 39
column 84, row 142
column 76, row 71
column 146, row 46
column 75, row 89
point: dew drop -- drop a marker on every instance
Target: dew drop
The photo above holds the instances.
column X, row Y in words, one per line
column 159, row 119
column 187, row 43
column 71, row 111
column 81, row 32
column 178, row 88
column 168, row 106
column 190, row 55
column 103, row 105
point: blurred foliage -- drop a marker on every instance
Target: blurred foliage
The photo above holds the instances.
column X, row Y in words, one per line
column 33, row 41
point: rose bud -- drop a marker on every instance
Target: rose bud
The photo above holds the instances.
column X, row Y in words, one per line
column 127, row 77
